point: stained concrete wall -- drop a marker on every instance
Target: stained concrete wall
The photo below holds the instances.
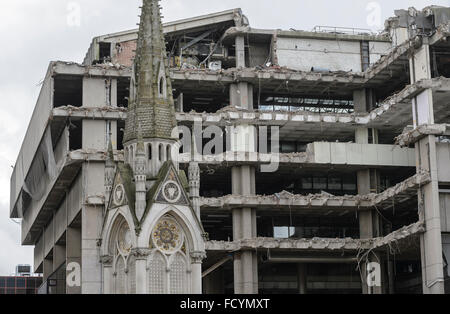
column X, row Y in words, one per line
column 33, row 137
column 377, row 49
column 303, row 54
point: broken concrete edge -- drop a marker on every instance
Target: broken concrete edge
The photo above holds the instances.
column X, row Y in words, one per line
column 398, row 235
column 73, row 68
column 261, row 117
column 101, row 113
column 318, row 244
column 409, row 137
column 394, row 54
column 362, row 202
column 232, row 32
column 92, row 155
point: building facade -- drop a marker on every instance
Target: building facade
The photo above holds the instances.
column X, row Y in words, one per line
column 303, row 162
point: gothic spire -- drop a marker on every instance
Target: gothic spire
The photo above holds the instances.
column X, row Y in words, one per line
column 151, row 100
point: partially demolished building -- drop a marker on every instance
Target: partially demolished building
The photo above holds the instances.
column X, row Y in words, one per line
column 360, row 202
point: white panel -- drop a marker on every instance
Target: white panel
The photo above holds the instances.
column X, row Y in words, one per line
column 443, row 160
column 445, row 211
column 423, row 108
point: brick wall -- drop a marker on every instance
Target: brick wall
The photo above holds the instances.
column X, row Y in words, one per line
column 124, row 52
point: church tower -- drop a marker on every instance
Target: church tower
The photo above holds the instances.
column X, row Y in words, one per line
column 152, row 237
column 151, row 99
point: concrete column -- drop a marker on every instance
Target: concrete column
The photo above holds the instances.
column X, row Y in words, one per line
column 302, row 278
column 428, row 195
column 244, row 227
column 429, row 212
column 73, row 260
column 240, row 52
column 47, row 268
column 59, row 256
column 367, row 182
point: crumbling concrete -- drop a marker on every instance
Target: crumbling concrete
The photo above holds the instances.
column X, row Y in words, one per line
column 409, row 136
column 319, row 244
column 322, row 202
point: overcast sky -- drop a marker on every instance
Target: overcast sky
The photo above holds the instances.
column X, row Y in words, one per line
column 33, row 33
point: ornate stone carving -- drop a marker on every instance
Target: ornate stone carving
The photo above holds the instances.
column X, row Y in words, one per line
column 167, row 236
column 197, row 257
column 107, row 260
column 141, row 253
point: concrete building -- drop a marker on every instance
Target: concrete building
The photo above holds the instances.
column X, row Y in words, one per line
column 359, row 201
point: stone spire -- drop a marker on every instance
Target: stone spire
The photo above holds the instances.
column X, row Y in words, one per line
column 140, row 175
column 151, row 99
column 194, row 179
column 110, row 168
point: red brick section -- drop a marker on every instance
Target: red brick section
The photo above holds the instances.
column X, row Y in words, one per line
column 124, row 53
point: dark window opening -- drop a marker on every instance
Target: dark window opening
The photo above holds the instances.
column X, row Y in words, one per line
column 75, row 135
column 292, row 226
column 68, row 91
column 123, row 92
column 105, row 52
column 440, row 62
column 313, row 104
column 120, row 134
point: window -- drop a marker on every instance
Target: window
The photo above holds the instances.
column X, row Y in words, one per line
column 161, row 152
column 169, row 249
column 120, row 246
column 162, row 87
column 156, row 274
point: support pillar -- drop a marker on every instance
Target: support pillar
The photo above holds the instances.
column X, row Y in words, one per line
column 141, row 271
column 302, row 278
column 240, row 51
column 428, row 195
column 367, row 182
column 73, row 260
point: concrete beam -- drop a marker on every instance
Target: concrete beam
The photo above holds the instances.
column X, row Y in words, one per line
column 321, row 202
column 412, row 136
column 319, row 244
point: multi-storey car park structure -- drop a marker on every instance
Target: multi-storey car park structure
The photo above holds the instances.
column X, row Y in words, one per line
column 364, row 164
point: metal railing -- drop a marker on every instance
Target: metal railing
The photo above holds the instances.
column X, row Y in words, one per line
column 342, row 30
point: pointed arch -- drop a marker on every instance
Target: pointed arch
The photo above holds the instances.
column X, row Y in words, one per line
column 120, row 242
column 194, row 240
column 169, row 266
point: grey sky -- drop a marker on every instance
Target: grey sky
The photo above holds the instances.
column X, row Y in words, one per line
column 35, row 32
